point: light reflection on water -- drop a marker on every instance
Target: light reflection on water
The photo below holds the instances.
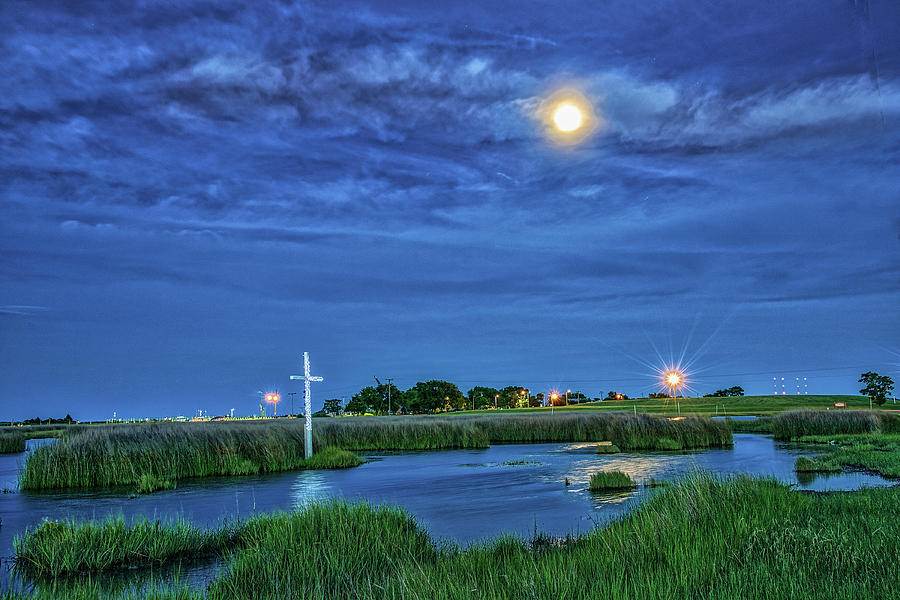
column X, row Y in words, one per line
column 310, row 486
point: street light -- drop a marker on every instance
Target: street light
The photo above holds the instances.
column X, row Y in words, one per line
column 567, row 396
column 273, row 398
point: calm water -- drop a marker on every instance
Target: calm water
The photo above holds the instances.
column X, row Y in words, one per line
column 463, row 495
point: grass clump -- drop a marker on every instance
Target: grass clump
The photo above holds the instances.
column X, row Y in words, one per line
column 814, row 465
column 11, row 441
column 607, row 448
column 611, row 480
column 55, row 548
column 796, row 423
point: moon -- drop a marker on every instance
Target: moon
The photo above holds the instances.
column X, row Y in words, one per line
column 567, row 117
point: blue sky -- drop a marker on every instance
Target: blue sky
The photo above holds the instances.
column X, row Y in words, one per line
column 194, row 193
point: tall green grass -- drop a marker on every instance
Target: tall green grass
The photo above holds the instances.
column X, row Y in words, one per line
column 611, row 480
column 11, row 441
column 702, row 537
column 797, row 423
column 625, row 430
column 169, row 452
column 166, row 453
column 55, row 549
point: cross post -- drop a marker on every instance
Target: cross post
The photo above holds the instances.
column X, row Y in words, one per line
column 306, row 378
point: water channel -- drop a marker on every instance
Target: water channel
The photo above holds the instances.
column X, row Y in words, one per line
column 460, row 495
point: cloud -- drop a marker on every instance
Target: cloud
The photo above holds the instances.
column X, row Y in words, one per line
column 21, row 310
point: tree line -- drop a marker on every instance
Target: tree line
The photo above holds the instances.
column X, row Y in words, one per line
column 437, row 395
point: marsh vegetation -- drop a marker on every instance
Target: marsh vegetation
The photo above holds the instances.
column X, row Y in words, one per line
column 700, row 537
column 156, row 455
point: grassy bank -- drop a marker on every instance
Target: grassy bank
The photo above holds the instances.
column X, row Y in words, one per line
column 700, row 538
column 158, row 455
column 862, row 439
column 877, row 452
column 11, row 441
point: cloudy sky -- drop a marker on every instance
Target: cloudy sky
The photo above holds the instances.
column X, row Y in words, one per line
column 194, row 193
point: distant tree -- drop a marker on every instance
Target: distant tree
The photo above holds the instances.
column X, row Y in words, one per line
column 357, row 405
column 658, row 395
column 436, row 395
column 332, row 406
column 510, row 396
column 380, row 401
column 616, row 396
column 481, row 397
column 735, row 390
column 878, row 387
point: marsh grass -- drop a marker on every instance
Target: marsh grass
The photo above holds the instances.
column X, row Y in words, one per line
column 611, row 480
column 814, row 465
column 169, row 452
column 150, row 483
column 702, row 537
column 151, row 456
column 11, row 441
column 625, row 430
column 55, row 548
column 877, row 452
column 796, row 423
column 669, row 444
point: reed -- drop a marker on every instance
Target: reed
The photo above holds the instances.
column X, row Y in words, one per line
column 796, row 423
column 11, row 441
column 625, row 430
column 55, row 549
column 159, row 453
column 611, row 480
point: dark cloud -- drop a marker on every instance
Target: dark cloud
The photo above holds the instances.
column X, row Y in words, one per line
column 218, row 182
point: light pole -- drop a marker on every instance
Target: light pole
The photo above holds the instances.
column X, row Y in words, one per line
column 673, row 379
column 567, row 396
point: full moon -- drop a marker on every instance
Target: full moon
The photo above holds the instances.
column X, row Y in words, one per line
column 567, row 117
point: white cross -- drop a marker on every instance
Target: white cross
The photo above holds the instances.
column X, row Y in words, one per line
column 307, row 378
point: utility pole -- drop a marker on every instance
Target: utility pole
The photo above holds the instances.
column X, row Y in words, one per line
column 292, row 394
column 389, row 380
column 389, row 394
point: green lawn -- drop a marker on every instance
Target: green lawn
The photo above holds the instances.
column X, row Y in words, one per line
column 741, row 405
